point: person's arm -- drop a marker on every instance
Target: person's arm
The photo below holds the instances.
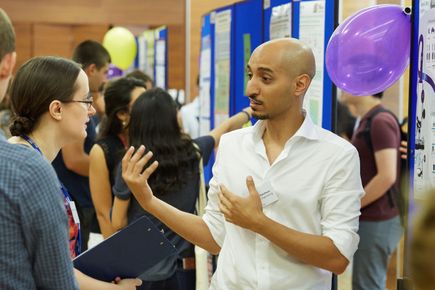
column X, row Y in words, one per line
column 89, row 283
column 75, row 158
column 311, row 249
column 386, row 165
column 233, row 123
column 188, row 226
column 385, row 140
column 101, row 191
column 339, row 210
column 119, row 213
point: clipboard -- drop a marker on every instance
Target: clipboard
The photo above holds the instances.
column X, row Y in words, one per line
column 127, row 253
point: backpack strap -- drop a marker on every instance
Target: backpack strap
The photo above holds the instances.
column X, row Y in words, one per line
column 367, row 128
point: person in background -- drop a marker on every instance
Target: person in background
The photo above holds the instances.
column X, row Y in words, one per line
column 153, row 121
column 298, row 222
column 422, row 250
column 190, row 116
column 52, row 105
column 345, row 122
column 72, row 163
column 380, row 228
column 111, row 144
column 33, row 224
column 140, row 75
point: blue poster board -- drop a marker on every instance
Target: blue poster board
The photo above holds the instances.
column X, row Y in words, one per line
column 248, row 34
column 329, row 90
column 207, row 43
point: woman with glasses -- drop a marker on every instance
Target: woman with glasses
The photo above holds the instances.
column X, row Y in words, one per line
column 51, row 105
column 111, row 144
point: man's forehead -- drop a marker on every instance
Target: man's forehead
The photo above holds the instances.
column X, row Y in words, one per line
column 265, row 60
column 105, row 67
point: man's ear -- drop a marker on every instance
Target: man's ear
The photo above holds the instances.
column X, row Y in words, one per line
column 7, row 65
column 302, row 83
column 90, row 69
column 55, row 110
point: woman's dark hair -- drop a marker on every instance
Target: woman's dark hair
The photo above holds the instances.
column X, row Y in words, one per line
column 37, row 83
column 153, row 123
column 345, row 121
column 117, row 97
column 140, row 75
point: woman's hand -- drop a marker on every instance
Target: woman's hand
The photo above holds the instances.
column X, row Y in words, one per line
column 135, row 176
column 403, row 150
column 127, row 284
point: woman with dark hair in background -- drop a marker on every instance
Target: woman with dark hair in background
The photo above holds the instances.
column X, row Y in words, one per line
column 154, row 123
column 105, row 155
column 51, row 105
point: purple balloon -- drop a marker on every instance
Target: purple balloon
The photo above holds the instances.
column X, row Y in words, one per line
column 369, row 51
column 114, row 72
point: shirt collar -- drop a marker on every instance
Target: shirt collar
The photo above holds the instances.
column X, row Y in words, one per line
column 306, row 130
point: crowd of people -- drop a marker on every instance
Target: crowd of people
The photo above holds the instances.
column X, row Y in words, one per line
column 289, row 203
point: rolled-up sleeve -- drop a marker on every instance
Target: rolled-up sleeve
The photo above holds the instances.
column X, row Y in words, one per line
column 213, row 217
column 341, row 202
column 120, row 188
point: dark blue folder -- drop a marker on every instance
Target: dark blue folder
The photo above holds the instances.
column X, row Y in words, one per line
column 126, row 254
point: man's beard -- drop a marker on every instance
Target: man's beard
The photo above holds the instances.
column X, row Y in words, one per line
column 260, row 116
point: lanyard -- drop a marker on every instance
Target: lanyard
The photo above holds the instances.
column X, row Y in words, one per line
column 65, row 194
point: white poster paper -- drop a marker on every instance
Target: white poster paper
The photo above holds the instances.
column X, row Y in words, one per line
column 424, row 158
column 312, row 33
column 222, row 65
column 160, row 80
column 281, row 21
column 204, row 87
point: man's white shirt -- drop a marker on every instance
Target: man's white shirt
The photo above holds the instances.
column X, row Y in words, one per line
column 190, row 116
column 317, row 180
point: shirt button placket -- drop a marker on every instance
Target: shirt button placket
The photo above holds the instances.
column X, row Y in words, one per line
column 261, row 262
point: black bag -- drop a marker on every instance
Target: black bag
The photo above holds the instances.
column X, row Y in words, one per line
column 398, row 193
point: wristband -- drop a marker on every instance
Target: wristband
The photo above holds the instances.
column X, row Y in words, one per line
column 247, row 114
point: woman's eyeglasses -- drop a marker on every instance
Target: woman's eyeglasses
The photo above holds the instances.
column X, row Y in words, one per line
column 88, row 102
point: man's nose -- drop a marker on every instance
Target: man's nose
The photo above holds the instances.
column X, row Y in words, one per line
column 252, row 88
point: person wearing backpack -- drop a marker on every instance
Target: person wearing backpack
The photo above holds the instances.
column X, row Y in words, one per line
column 377, row 139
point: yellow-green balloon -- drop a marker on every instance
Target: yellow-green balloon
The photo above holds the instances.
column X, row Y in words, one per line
column 121, row 44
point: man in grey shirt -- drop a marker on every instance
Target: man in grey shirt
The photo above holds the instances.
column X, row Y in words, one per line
column 33, row 224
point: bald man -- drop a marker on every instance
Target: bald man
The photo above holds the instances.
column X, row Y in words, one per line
column 297, row 223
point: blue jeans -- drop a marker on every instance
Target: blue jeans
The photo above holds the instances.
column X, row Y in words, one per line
column 181, row 280
column 378, row 240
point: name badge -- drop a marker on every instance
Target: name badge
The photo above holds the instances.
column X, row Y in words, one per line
column 266, row 193
column 75, row 214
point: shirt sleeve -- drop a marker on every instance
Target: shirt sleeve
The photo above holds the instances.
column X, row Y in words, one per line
column 45, row 227
column 341, row 202
column 213, row 217
column 385, row 132
column 206, row 145
column 120, row 188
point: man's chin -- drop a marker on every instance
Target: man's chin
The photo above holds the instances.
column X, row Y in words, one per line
column 259, row 116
